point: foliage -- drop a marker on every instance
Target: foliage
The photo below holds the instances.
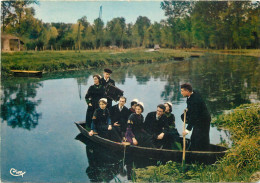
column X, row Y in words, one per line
column 241, row 162
column 201, row 24
column 242, row 122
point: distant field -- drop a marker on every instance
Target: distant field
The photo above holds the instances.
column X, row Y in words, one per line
column 49, row 61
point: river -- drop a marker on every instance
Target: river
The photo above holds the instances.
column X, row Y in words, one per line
column 38, row 114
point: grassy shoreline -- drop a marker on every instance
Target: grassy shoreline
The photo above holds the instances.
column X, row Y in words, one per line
column 50, row 61
column 240, row 164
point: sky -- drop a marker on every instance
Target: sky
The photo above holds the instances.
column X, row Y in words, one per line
column 70, row 11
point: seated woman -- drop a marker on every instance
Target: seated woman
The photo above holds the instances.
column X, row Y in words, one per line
column 133, row 105
column 172, row 133
column 101, row 123
column 135, row 134
column 170, row 117
column 94, row 94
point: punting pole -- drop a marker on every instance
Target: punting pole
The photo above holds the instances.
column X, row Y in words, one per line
column 184, row 140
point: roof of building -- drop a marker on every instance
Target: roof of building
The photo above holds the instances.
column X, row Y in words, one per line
column 8, row 36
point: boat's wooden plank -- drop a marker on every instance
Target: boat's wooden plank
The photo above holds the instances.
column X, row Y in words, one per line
column 176, row 155
column 24, row 71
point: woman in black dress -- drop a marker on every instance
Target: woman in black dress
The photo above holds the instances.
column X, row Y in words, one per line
column 169, row 115
column 94, row 94
column 135, row 133
column 101, row 123
column 172, row 134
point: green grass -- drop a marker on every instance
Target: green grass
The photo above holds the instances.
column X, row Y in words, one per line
column 240, row 164
column 49, row 61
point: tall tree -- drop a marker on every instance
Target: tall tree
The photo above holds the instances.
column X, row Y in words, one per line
column 116, row 29
column 141, row 24
column 238, row 12
column 98, row 32
column 206, row 21
column 6, row 14
column 177, row 9
column 156, row 33
column 14, row 12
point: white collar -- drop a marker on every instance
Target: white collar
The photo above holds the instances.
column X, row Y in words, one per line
column 190, row 94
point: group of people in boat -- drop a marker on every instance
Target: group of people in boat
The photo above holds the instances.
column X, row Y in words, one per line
column 156, row 130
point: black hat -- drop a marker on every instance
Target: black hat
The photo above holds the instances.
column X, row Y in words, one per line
column 108, row 71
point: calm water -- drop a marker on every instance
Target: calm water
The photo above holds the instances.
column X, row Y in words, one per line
column 37, row 115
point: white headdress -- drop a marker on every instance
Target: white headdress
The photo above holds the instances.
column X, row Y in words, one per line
column 141, row 103
column 169, row 103
column 135, row 100
column 103, row 99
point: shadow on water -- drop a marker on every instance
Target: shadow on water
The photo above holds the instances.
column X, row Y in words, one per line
column 106, row 165
column 18, row 106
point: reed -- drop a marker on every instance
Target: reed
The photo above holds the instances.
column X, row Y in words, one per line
column 133, row 173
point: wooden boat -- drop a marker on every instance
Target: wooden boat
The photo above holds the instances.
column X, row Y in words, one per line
column 178, row 58
column 207, row 157
column 195, row 56
column 24, row 73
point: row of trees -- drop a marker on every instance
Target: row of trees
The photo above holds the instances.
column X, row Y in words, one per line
column 203, row 24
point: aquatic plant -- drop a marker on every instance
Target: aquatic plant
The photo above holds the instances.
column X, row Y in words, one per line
column 242, row 122
column 241, row 163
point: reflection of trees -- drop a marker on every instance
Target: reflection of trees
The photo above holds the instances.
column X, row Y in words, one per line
column 18, row 107
column 224, row 81
column 221, row 80
column 81, row 81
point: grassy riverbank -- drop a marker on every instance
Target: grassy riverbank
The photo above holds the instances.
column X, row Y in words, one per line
column 241, row 163
column 246, row 52
column 50, row 61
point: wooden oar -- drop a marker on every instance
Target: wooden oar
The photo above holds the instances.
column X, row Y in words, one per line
column 184, row 141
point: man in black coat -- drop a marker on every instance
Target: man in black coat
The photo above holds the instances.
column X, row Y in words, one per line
column 156, row 125
column 119, row 115
column 105, row 81
column 198, row 119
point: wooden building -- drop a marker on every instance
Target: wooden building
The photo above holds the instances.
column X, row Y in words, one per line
column 11, row 43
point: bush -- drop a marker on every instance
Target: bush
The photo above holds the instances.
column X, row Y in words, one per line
column 241, row 163
column 241, row 121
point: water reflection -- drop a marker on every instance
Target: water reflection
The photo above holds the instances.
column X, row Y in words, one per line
column 19, row 103
column 224, row 81
column 57, row 99
column 105, row 165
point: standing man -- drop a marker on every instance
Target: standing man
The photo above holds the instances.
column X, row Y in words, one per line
column 105, row 81
column 119, row 116
column 156, row 125
column 198, row 119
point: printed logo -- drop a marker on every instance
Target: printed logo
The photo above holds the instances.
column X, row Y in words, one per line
column 16, row 173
